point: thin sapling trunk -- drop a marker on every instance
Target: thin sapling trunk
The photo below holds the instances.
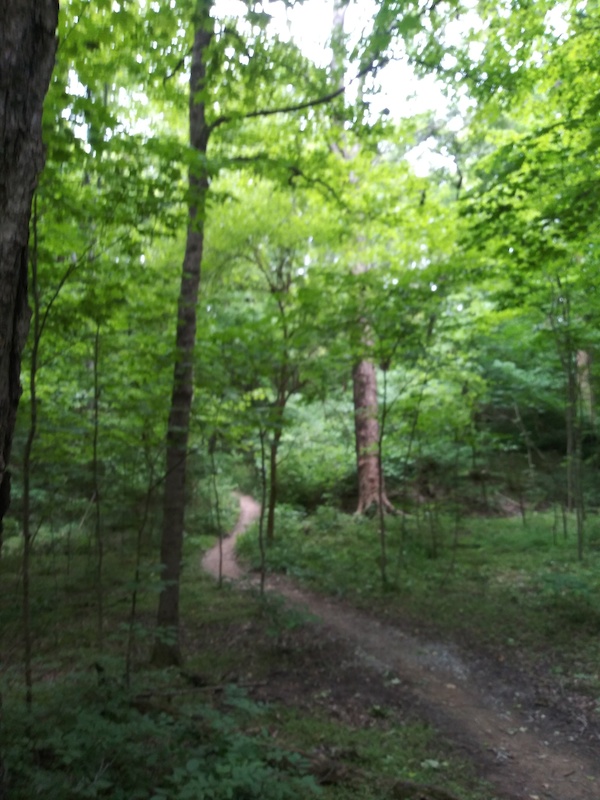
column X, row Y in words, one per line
column 261, row 521
column 217, row 512
column 380, row 504
column 27, row 537
column 152, row 485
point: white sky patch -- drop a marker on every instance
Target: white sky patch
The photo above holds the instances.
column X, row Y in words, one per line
column 405, row 95
column 229, row 8
column 425, row 158
column 555, row 20
column 76, row 89
column 309, row 25
column 398, row 91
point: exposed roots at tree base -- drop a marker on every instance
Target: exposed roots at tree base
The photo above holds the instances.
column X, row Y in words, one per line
column 370, row 505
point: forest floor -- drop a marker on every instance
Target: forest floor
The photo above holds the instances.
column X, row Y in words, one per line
column 520, row 734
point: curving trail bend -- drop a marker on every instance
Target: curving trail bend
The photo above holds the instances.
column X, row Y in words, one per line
column 518, row 746
column 225, row 554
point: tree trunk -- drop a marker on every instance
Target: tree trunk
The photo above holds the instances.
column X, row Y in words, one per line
column 571, row 429
column 273, row 487
column 27, row 461
column 371, row 487
column 586, row 391
column 166, row 647
column 371, row 483
column 27, row 49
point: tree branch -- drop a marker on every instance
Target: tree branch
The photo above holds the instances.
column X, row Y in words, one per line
column 293, row 170
column 318, row 101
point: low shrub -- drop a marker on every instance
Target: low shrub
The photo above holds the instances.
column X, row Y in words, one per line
column 92, row 739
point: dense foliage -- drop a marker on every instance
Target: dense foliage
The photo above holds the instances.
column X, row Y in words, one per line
column 471, row 285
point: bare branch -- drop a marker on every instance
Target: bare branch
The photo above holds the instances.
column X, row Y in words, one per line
column 318, row 101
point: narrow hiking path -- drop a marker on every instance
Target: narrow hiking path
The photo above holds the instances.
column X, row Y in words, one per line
column 517, row 745
column 223, row 554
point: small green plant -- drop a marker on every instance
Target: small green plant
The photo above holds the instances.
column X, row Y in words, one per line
column 91, row 738
column 281, row 617
column 372, row 762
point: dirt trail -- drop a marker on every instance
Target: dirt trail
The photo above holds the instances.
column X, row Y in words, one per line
column 520, row 749
column 249, row 512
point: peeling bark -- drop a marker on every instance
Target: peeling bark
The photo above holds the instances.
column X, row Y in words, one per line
column 371, row 487
column 27, row 51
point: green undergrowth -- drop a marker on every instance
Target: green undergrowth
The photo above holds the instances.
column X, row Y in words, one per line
column 377, row 762
column 87, row 739
column 501, row 583
column 100, row 728
column 103, row 723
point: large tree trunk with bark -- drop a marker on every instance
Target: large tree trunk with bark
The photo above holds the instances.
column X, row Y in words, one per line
column 166, row 648
column 27, row 50
column 371, row 484
column 371, row 487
